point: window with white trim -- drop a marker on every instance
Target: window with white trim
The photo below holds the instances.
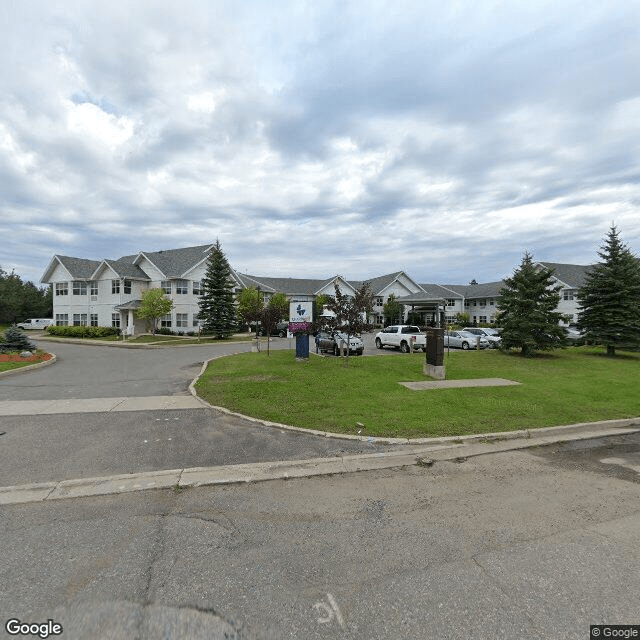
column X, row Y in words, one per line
column 379, row 301
column 182, row 319
column 567, row 294
column 62, row 319
column 93, row 319
column 115, row 288
column 127, row 286
column 451, row 302
column 62, row 288
column 79, row 288
column 182, row 287
column 165, row 285
column 94, row 289
column 79, row 319
column 197, row 288
column 115, row 320
column 165, row 321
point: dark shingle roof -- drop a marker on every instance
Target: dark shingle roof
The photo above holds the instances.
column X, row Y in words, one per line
column 482, row 290
column 441, row 291
column 127, row 269
column 174, row 263
column 79, row 268
column 290, row 286
column 571, row 274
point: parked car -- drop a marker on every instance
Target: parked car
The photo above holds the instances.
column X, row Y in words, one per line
column 401, row 337
column 35, row 323
column 491, row 335
column 464, row 340
column 331, row 343
column 279, row 330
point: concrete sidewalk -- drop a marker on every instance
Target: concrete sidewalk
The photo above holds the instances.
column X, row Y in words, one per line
column 422, row 455
column 98, row 405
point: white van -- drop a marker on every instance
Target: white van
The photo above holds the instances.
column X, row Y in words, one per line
column 35, row 323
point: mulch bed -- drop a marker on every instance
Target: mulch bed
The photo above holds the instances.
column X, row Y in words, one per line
column 15, row 357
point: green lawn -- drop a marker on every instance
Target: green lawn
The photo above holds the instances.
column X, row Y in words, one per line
column 564, row 387
column 7, row 366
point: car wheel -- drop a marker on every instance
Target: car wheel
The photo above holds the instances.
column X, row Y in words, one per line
column 336, row 351
column 404, row 347
column 465, row 345
column 378, row 343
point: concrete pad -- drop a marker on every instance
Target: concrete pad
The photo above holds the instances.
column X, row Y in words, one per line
column 456, row 384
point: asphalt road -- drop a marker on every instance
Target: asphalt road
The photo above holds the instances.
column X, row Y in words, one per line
column 520, row 545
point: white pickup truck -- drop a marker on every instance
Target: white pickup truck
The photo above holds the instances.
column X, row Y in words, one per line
column 403, row 336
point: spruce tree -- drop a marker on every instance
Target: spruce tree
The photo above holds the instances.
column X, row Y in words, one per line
column 217, row 309
column 528, row 313
column 610, row 297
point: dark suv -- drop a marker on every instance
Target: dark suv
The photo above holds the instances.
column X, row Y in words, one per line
column 279, row 330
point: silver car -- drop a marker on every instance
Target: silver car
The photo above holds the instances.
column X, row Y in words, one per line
column 326, row 342
column 464, row 340
column 492, row 335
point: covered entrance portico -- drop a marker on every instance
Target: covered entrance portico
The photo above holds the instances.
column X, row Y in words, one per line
column 430, row 308
column 129, row 323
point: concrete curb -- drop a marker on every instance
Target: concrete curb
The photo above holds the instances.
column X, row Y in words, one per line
column 29, row 367
column 180, row 479
column 476, row 437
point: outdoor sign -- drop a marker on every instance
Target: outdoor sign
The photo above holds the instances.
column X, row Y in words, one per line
column 300, row 318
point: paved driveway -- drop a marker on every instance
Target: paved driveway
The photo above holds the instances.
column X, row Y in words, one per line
column 93, row 371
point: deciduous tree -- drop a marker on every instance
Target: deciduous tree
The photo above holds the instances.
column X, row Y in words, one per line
column 153, row 306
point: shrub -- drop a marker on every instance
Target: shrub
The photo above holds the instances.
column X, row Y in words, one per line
column 82, row 331
column 164, row 331
column 16, row 340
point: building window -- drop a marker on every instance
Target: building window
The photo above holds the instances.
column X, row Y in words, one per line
column 165, row 321
column 379, row 301
column 79, row 288
column 467, row 303
column 115, row 287
column 182, row 287
column 181, row 319
column 79, row 319
column 492, row 302
column 115, row 320
column 197, row 291
column 93, row 319
column 451, row 302
column 62, row 288
column 568, row 294
column 483, row 319
column 62, row 319
column 165, row 285
column 94, row 288
column 127, row 286
column 482, row 303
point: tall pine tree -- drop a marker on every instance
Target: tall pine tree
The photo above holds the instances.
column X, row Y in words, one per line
column 610, row 297
column 528, row 313
column 217, row 309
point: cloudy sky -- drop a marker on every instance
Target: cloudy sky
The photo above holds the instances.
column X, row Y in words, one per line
column 315, row 138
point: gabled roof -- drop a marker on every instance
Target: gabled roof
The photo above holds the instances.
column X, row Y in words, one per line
column 440, row 290
column 172, row 263
column 121, row 269
column 572, row 275
column 482, row 290
column 289, row 286
column 380, row 283
column 78, row 268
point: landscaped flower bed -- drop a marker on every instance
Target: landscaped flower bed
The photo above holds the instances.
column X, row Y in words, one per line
column 15, row 357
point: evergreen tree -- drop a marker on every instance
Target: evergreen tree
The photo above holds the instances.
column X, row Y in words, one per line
column 217, row 309
column 528, row 313
column 610, row 297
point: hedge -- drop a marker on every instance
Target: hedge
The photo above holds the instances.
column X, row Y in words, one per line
column 82, row 332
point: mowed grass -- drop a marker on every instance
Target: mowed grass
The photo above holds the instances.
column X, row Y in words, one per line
column 7, row 366
column 564, row 387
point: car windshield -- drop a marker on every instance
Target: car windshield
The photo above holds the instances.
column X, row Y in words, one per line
column 491, row 332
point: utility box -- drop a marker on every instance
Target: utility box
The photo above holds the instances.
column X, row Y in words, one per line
column 434, row 365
